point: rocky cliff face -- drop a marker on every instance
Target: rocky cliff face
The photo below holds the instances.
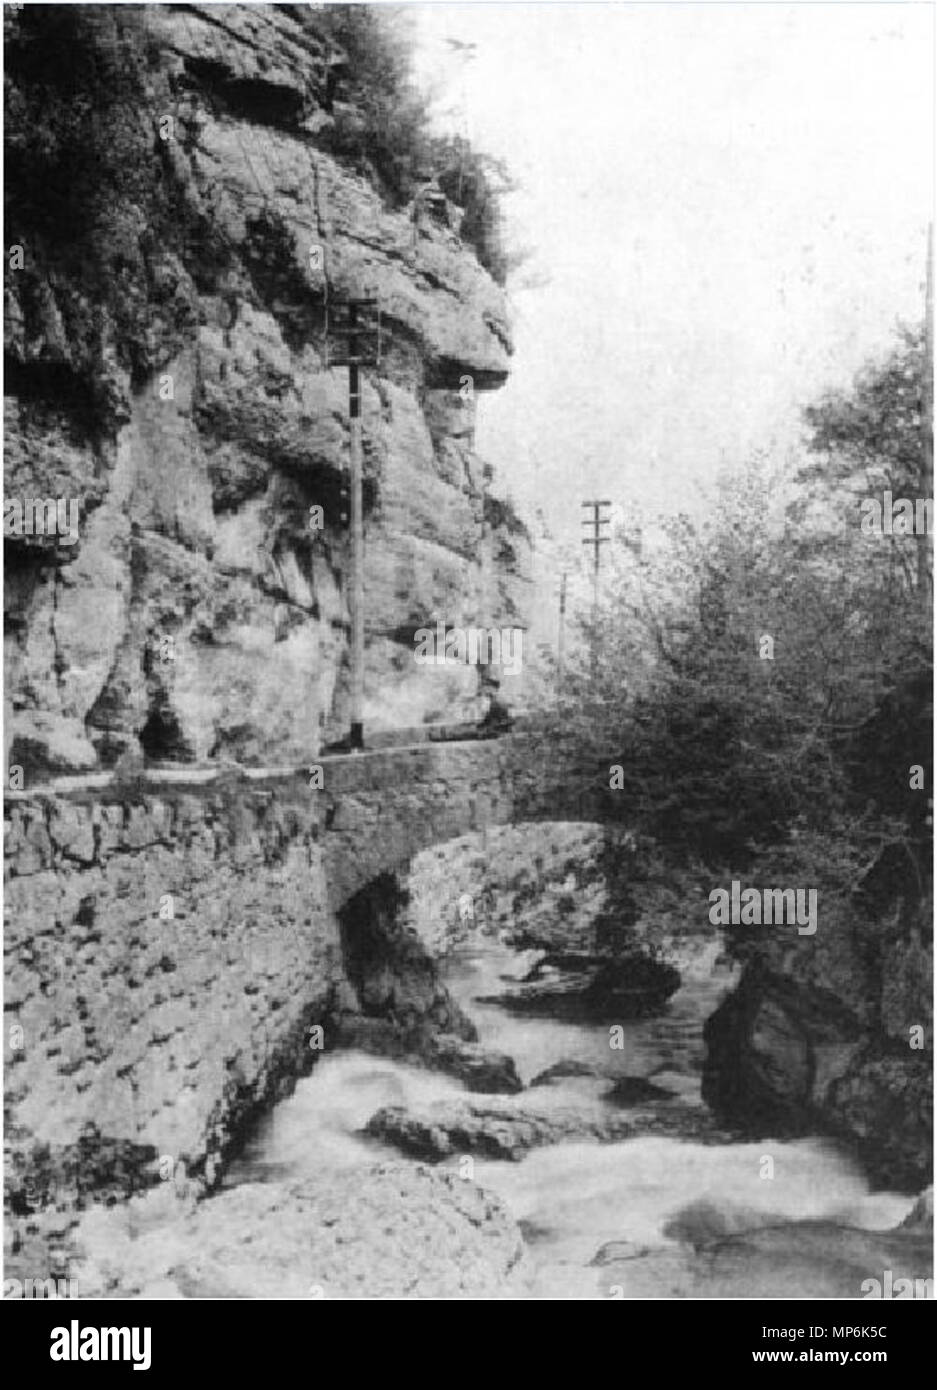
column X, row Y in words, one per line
column 831, row 1033
column 181, row 225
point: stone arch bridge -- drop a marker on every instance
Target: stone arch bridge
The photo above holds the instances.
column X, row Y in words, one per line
column 171, row 939
column 382, row 808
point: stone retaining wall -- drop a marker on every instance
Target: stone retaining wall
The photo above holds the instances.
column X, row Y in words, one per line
column 171, row 940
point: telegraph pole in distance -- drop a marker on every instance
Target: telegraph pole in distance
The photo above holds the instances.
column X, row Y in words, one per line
column 595, row 540
column 561, row 639
column 358, row 321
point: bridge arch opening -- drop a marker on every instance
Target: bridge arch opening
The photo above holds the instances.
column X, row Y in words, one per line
column 548, row 902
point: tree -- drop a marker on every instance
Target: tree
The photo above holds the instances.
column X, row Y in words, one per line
column 746, row 687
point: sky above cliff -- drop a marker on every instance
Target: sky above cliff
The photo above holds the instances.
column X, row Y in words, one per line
column 727, row 204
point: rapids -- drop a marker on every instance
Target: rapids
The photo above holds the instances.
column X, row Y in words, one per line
column 573, row 1198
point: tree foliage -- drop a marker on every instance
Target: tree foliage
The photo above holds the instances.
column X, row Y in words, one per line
column 772, row 688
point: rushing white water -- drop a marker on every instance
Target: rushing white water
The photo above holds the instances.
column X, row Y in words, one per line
column 574, row 1197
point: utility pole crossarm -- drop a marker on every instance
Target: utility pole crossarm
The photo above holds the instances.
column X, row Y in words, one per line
column 596, row 540
column 596, row 521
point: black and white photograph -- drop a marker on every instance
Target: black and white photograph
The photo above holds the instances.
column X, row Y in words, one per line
column 467, row 703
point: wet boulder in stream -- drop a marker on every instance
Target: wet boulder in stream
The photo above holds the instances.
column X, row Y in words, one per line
column 598, row 988
column 509, row 1129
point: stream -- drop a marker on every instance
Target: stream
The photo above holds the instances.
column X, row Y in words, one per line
column 571, row 1198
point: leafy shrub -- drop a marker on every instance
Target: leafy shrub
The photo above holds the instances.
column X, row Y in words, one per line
column 725, row 753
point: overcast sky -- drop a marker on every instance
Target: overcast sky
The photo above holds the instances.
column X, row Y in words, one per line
column 730, row 201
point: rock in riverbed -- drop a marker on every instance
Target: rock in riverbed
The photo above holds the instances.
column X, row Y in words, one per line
column 626, row 1091
column 479, row 1069
column 778, row 1259
column 509, row 1130
column 635, row 1090
column 615, row 1251
column 921, row 1215
column 579, row 986
column 567, row 1068
column 422, row 1046
column 393, row 1231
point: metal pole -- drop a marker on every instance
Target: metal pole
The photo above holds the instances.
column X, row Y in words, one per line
column 356, row 739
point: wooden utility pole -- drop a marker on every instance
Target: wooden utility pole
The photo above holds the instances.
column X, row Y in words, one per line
column 596, row 521
column 561, row 639
column 358, row 322
column 927, row 418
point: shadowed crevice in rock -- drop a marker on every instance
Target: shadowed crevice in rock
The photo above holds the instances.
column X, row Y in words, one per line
column 161, row 738
column 395, row 979
column 247, row 98
column 57, row 386
column 402, row 1008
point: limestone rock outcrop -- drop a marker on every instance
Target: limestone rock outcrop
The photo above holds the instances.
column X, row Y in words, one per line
column 182, row 223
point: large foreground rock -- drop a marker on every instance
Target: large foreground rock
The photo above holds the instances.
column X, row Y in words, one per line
column 387, row 1232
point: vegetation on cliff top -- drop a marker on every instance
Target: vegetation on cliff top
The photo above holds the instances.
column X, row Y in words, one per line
column 383, row 127
column 119, row 243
